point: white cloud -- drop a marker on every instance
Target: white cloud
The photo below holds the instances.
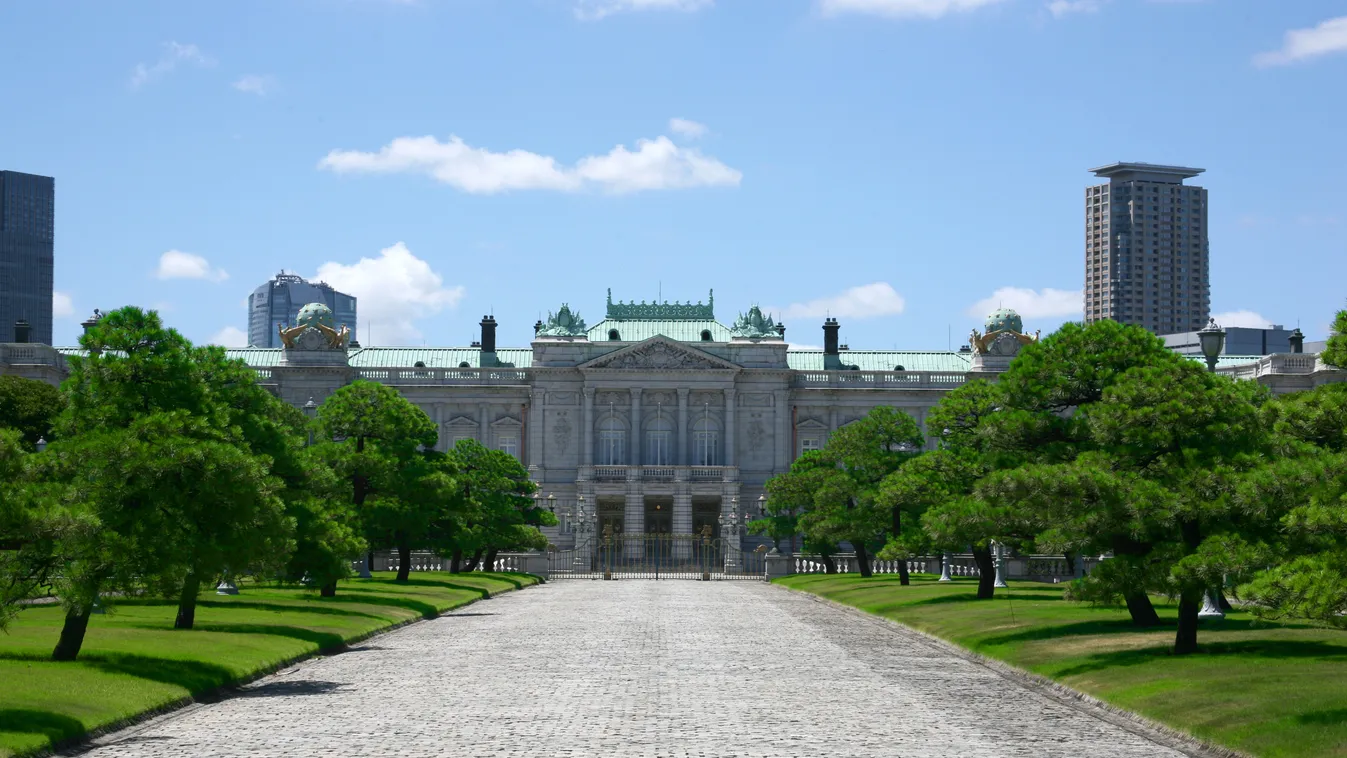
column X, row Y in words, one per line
column 1060, row 8
column 1242, row 318
column 593, row 10
column 392, row 291
column 1032, row 303
column 654, row 164
column 866, row 301
column 902, row 8
column 1302, row 44
column 687, row 128
column 175, row 264
column 61, row 305
column 254, row 84
column 230, row 336
column 174, row 54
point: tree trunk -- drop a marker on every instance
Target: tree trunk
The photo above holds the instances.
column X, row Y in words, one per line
column 1225, row 604
column 903, row 578
column 1185, row 642
column 1142, row 612
column 328, row 590
column 1070, row 559
column 456, row 561
column 191, row 586
column 829, row 565
column 369, row 559
column 472, row 563
column 72, row 634
column 490, row 564
column 982, row 556
column 863, row 561
column 404, row 559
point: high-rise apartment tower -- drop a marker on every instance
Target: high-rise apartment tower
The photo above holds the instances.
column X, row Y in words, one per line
column 277, row 303
column 1146, row 248
column 27, row 237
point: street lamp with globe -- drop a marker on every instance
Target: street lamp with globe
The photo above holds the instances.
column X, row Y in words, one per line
column 1212, row 340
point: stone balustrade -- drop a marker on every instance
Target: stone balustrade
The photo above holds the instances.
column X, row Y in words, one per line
column 1037, row 568
column 659, row 473
column 917, row 380
column 444, row 376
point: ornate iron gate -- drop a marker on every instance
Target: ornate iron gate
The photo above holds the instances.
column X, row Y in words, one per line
column 615, row 555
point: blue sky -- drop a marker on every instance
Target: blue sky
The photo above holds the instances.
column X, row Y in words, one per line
column 900, row 164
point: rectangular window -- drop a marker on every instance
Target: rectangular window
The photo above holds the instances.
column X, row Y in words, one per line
column 704, row 446
column 610, row 448
column 508, row 443
column 659, row 448
column 810, row 443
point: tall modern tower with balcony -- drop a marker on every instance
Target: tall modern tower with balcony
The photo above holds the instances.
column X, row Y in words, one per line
column 277, row 303
column 1146, row 248
column 27, row 236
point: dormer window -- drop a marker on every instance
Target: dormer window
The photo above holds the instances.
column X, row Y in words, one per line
column 706, row 335
column 899, row 367
column 613, row 336
column 464, row 364
column 419, row 364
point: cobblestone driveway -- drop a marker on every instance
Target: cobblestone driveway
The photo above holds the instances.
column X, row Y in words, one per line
column 638, row 668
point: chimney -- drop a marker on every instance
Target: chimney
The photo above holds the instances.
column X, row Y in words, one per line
column 537, row 327
column 1297, row 340
column 22, row 331
column 830, row 329
column 488, row 334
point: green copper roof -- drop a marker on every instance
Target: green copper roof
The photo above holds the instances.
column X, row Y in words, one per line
column 435, row 357
column 665, row 311
column 636, row 331
column 884, row 360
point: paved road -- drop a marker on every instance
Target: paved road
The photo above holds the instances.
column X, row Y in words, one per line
column 639, row 668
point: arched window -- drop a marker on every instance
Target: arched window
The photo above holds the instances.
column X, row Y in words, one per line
column 464, row 364
column 705, row 443
column 899, row 367
column 659, row 441
column 706, row 335
column 419, row 364
column 613, row 336
column 612, row 441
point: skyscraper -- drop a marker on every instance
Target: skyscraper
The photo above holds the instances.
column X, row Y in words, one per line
column 278, row 302
column 27, row 235
column 1146, row 248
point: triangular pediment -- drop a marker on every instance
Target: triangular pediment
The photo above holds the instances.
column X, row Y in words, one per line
column 660, row 354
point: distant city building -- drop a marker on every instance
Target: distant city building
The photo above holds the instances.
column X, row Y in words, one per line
column 1240, row 340
column 27, row 235
column 1146, row 248
column 277, row 303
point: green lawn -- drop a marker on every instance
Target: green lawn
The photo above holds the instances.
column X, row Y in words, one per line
column 133, row 661
column 1271, row 690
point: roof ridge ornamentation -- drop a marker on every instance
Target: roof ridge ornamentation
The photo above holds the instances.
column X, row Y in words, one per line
column 665, row 311
column 563, row 323
column 755, row 326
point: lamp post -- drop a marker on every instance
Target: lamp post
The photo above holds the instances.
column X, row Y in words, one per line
column 581, row 528
column 311, row 411
column 1212, row 339
column 945, row 558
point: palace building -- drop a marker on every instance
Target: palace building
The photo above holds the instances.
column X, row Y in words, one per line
column 661, row 417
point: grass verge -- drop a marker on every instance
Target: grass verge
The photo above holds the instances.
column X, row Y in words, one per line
column 1270, row 690
column 134, row 662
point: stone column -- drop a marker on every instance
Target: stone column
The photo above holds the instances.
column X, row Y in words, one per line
column 634, row 517
column 537, row 401
column 441, row 443
column 729, row 428
column 682, row 457
column 785, row 433
column 484, row 425
column 635, row 427
column 588, row 459
column 832, row 420
column 682, row 515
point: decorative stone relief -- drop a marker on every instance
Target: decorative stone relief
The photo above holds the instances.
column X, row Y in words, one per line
column 610, row 397
column 561, row 431
column 754, row 326
column 659, row 398
column 563, row 323
column 755, row 400
column 563, row 398
column 757, row 434
column 657, row 355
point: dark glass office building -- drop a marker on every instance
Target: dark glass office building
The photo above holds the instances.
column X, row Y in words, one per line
column 277, row 303
column 27, row 232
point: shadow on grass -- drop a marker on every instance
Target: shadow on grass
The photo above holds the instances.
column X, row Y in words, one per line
column 1323, row 718
column 53, row 726
column 372, row 597
column 324, row 640
column 971, row 597
column 194, row 676
column 1125, row 626
column 1275, row 649
column 299, row 606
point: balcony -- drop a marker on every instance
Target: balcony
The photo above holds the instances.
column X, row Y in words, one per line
column 659, row 473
